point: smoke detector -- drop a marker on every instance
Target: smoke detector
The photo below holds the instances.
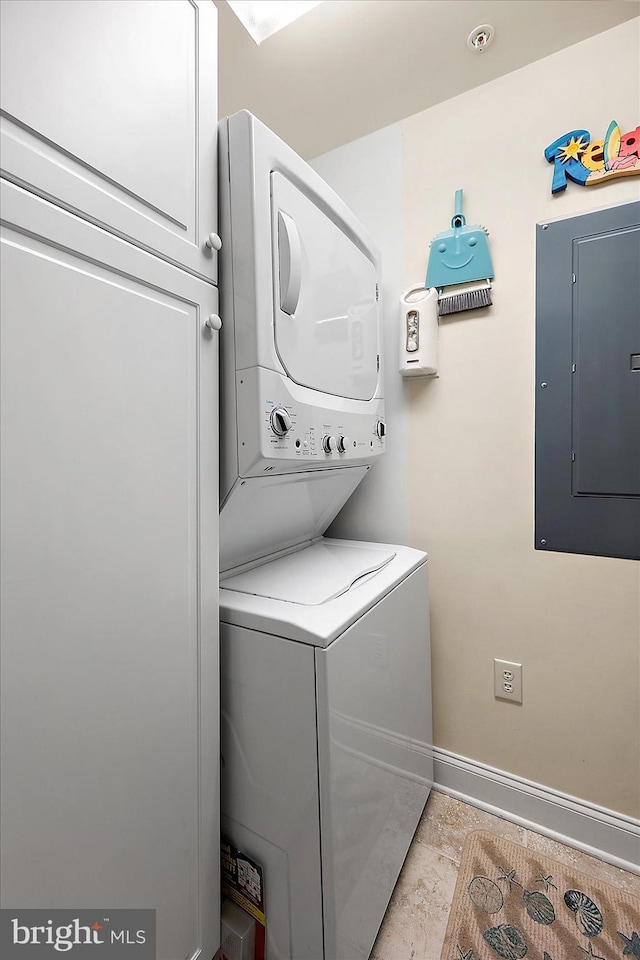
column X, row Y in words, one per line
column 480, row 37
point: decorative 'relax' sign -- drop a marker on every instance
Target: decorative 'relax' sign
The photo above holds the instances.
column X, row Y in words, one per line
column 585, row 161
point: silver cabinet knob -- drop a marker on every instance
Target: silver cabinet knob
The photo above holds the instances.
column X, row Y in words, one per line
column 213, row 241
column 213, row 322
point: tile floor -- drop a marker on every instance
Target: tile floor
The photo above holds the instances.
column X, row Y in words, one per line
column 416, row 920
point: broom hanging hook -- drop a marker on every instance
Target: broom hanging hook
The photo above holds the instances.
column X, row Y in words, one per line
column 458, row 219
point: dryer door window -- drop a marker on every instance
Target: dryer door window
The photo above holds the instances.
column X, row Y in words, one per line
column 325, row 309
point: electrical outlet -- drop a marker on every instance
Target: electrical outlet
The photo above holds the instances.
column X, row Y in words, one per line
column 507, row 680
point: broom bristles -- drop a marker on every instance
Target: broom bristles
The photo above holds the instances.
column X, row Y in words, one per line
column 464, row 300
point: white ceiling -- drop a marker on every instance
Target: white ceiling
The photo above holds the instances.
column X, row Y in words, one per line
column 352, row 66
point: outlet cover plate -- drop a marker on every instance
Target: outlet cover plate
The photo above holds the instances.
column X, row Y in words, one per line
column 507, row 680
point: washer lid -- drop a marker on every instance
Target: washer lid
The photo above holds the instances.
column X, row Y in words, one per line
column 319, row 625
column 314, row 575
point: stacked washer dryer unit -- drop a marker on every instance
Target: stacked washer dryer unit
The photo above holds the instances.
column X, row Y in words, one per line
column 326, row 704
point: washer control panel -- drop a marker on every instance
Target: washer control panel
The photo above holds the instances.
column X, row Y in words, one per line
column 296, row 433
column 281, row 432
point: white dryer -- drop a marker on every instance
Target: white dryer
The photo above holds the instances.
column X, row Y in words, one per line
column 302, row 407
column 326, row 698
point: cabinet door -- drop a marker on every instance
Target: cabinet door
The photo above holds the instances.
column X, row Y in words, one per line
column 110, row 732
column 109, row 108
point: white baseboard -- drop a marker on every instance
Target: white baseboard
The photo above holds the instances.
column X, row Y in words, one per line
column 602, row 833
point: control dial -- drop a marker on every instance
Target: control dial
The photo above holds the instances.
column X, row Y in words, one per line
column 343, row 443
column 381, row 429
column 329, row 444
column 280, row 421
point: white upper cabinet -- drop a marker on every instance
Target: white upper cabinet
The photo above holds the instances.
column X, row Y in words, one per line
column 109, row 108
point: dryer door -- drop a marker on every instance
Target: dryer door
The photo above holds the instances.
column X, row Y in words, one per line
column 325, row 310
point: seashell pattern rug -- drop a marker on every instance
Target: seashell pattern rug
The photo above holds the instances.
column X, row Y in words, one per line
column 511, row 902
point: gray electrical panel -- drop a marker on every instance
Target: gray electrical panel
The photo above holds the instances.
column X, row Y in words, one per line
column 588, row 383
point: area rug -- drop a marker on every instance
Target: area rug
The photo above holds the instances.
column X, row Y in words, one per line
column 512, row 902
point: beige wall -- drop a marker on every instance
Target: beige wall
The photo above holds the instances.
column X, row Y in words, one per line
column 573, row 621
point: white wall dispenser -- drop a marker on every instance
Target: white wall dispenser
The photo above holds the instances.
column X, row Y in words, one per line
column 419, row 332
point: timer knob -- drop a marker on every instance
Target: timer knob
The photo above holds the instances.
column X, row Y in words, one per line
column 280, row 421
column 329, row 444
column 381, row 429
column 343, row 443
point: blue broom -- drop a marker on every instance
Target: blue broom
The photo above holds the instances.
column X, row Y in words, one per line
column 459, row 258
